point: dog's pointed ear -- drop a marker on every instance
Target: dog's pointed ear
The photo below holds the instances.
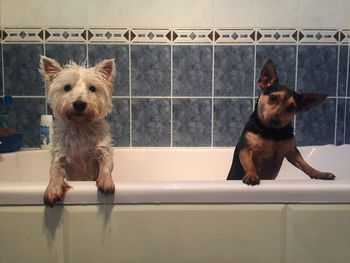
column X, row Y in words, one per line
column 310, row 100
column 107, row 69
column 49, row 68
column 268, row 75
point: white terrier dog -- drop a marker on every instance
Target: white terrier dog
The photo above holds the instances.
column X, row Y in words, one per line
column 80, row 99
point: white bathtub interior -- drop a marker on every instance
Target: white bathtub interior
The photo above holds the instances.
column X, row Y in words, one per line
column 180, row 175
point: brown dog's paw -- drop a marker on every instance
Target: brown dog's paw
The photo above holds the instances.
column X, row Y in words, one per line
column 323, row 176
column 105, row 184
column 55, row 192
column 251, row 179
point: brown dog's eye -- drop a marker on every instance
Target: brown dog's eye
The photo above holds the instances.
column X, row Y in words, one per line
column 291, row 108
column 67, row 88
column 92, row 88
column 272, row 98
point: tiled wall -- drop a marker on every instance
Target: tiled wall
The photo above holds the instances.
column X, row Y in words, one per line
column 186, row 71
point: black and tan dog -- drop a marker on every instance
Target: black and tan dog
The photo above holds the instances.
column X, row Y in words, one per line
column 268, row 136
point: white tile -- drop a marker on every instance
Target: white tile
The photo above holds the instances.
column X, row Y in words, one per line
column 235, row 13
column 319, row 13
column 193, row 13
column 22, row 13
column 108, row 13
column 151, row 13
column 344, row 13
column 66, row 13
column 277, row 13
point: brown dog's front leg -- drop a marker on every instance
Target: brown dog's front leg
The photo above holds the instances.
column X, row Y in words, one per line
column 246, row 159
column 104, row 181
column 298, row 161
column 57, row 186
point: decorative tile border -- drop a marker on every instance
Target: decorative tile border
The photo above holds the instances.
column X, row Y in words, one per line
column 176, row 36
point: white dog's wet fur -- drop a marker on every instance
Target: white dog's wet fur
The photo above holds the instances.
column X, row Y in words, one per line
column 80, row 99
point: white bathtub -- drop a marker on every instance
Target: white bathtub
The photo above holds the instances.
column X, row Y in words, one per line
column 179, row 175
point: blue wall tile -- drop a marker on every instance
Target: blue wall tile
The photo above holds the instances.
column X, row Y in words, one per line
column 1, row 88
column 284, row 58
column 316, row 127
column 317, row 69
column 150, row 70
column 234, row 70
column 120, row 53
column 192, row 70
column 192, row 122
column 150, row 122
column 343, row 67
column 21, row 75
column 64, row 53
column 230, row 117
column 24, row 114
column 119, row 120
column 340, row 121
column 347, row 122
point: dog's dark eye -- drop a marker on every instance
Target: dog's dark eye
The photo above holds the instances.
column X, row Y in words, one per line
column 92, row 88
column 291, row 108
column 67, row 88
column 273, row 98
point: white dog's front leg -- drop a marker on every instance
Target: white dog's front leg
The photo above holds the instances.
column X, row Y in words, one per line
column 57, row 186
column 104, row 181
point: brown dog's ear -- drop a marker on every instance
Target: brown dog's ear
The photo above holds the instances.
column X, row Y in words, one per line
column 268, row 75
column 310, row 100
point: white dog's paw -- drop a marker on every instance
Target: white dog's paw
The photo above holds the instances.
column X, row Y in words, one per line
column 105, row 184
column 55, row 192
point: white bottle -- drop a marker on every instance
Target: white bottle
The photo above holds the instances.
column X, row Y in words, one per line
column 46, row 131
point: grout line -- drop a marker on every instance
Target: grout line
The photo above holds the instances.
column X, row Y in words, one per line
column 296, row 78
column 212, row 93
column 346, row 94
column 254, row 77
column 130, row 98
column 171, row 90
column 336, row 99
column 2, row 69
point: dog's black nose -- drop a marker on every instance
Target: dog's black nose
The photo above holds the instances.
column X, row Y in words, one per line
column 79, row 105
column 275, row 121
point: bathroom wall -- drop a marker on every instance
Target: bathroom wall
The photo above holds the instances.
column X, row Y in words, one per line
column 186, row 69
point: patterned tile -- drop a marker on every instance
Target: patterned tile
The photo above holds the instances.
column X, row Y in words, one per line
column 230, row 117
column 316, row 127
column 119, row 120
column 107, row 35
column 21, row 75
column 234, row 70
column 155, row 36
column 280, row 36
column 150, row 122
column 186, row 36
column 343, row 67
column 235, row 36
column 121, row 54
column 340, row 122
column 284, row 57
column 63, row 53
column 28, row 35
column 150, row 70
column 318, row 36
column 191, row 122
column 192, row 70
column 66, row 35
column 24, row 114
column 317, row 69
